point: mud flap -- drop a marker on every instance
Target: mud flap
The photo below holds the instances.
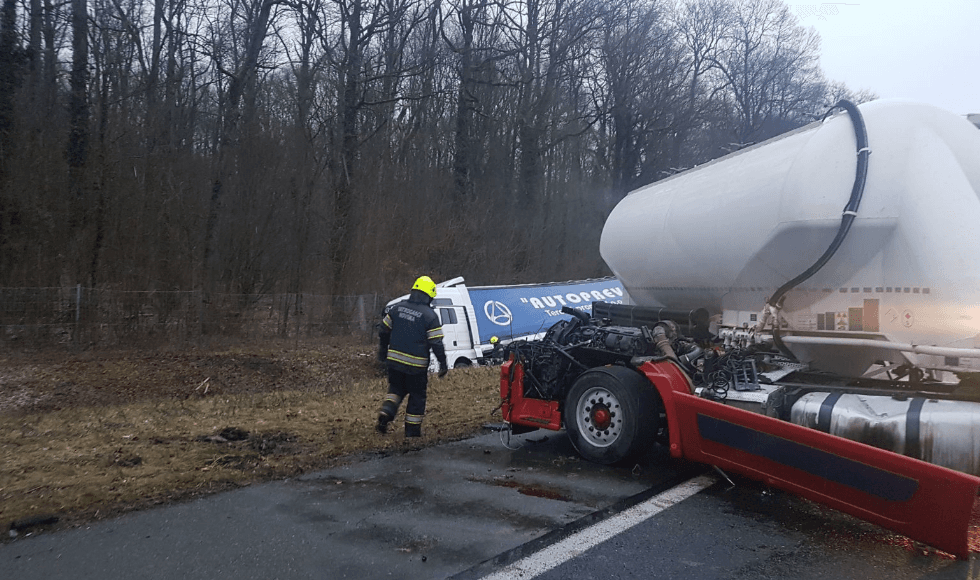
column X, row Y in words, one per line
column 925, row 502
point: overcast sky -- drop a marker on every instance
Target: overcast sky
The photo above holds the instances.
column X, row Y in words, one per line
column 925, row 50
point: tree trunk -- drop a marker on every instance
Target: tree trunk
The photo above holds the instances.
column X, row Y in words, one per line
column 8, row 84
column 242, row 80
column 463, row 160
column 78, row 110
column 340, row 249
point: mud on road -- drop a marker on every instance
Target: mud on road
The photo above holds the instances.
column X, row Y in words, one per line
column 91, row 435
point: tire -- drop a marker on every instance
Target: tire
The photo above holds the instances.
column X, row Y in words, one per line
column 462, row 363
column 620, row 400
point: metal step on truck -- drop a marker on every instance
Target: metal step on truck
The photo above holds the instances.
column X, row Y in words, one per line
column 805, row 312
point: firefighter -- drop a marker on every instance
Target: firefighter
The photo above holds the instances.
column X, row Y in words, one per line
column 409, row 331
column 496, row 354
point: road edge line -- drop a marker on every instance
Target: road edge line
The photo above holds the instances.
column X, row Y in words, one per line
column 510, row 558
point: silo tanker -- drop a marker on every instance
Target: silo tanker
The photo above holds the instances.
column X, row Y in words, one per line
column 805, row 311
column 904, row 283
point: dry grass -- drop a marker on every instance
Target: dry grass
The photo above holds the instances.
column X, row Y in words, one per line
column 90, row 437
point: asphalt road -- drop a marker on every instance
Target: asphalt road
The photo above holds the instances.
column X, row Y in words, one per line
column 476, row 508
column 426, row 514
column 746, row 531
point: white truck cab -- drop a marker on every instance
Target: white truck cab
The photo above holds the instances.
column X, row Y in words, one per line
column 472, row 316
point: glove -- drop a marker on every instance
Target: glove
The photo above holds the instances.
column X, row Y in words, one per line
column 443, row 371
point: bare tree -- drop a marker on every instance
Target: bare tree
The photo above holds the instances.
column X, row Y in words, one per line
column 241, row 74
column 549, row 35
column 308, row 163
column 9, row 48
column 78, row 139
column 473, row 37
column 378, row 86
column 642, row 97
column 764, row 49
column 9, row 67
column 77, row 148
column 344, row 144
column 701, row 26
column 837, row 91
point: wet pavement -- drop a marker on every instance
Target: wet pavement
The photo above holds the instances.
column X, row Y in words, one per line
column 750, row 532
column 471, row 508
column 433, row 513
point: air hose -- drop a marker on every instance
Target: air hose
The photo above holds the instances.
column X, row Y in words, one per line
column 847, row 218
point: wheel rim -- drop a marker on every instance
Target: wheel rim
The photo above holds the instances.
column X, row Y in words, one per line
column 598, row 416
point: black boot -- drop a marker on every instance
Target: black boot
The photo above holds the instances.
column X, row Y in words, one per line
column 413, row 430
column 382, row 426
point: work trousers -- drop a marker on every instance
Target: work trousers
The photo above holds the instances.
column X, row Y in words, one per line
column 401, row 385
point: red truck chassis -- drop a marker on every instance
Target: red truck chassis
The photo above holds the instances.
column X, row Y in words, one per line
column 925, row 502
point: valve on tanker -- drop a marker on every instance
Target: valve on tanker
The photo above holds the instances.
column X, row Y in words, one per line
column 727, row 335
column 744, row 337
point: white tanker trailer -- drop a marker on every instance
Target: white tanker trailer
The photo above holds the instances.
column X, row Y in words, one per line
column 807, row 313
column 903, row 286
column 899, row 295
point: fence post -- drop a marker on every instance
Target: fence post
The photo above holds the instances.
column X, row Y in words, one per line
column 199, row 304
column 361, row 319
column 299, row 315
column 78, row 314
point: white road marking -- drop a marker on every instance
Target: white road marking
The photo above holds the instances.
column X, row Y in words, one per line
column 559, row 553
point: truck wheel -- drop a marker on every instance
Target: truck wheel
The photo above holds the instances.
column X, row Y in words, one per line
column 611, row 413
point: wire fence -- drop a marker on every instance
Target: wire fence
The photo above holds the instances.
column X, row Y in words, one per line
column 87, row 317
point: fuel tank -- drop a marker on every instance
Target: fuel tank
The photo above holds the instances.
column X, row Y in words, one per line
column 726, row 235
column 941, row 432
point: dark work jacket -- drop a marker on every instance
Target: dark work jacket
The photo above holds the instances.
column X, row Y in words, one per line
column 408, row 331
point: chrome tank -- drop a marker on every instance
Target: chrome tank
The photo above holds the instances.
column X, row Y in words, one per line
column 726, row 235
column 941, row 432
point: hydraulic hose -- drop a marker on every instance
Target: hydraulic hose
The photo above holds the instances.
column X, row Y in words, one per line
column 576, row 313
column 847, row 218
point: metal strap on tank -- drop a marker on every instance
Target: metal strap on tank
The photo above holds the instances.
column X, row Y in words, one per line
column 826, row 411
column 912, row 446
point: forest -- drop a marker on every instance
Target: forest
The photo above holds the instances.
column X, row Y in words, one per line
column 347, row 146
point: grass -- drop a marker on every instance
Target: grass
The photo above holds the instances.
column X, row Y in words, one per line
column 84, row 462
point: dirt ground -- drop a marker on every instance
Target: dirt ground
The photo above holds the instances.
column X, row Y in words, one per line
column 91, row 435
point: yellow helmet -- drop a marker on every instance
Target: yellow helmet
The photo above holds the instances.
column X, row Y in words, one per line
column 494, row 340
column 425, row 284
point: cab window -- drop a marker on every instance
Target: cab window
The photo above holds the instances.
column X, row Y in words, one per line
column 448, row 316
